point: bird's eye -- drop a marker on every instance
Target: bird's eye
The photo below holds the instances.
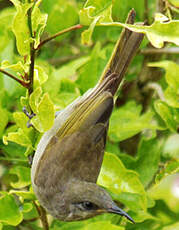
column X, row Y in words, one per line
column 89, row 206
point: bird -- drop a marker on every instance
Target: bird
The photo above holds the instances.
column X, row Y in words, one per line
column 69, row 156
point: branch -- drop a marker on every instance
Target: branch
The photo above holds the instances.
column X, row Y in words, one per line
column 31, row 68
column 43, row 217
column 23, row 83
column 171, row 50
column 75, row 27
column 146, row 11
column 32, row 52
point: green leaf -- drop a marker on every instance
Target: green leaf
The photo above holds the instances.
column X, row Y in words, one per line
column 174, row 2
column 40, row 76
column 19, row 67
column 24, row 195
column 27, row 207
column 174, row 226
column 63, row 12
column 105, row 225
column 171, row 75
column 94, row 12
column 34, row 99
column 127, row 121
column 45, row 115
column 21, row 120
column 20, row 27
column 148, row 158
column 89, row 73
column 87, row 34
column 167, row 114
column 141, row 216
column 3, row 120
column 169, row 168
column 172, row 97
column 11, row 214
column 39, row 21
column 162, row 30
column 23, row 136
column 25, row 101
column 115, row 177
column 171, row 147
column 96, row 9
column 18, row 137
column 23, row 174
column 6, row 17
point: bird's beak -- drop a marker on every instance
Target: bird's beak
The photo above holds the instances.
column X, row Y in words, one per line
column 115, row 209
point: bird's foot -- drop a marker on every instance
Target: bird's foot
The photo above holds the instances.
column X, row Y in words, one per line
column 29, row 115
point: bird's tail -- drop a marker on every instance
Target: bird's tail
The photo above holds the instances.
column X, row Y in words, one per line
column 125, row 49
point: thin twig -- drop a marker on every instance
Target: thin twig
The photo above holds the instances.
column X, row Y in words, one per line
column 75, row 27
column 31, row 68
column 43, row 217
column 32, row 52
column 146, row 11
column 23, row 83
column 157, row 88
column 171, row 50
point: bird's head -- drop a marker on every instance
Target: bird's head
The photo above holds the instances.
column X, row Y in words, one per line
column 83, row 200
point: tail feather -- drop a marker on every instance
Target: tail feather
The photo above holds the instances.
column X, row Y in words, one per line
column 122, row 55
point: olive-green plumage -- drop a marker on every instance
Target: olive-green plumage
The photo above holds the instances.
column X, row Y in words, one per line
column 68, row 158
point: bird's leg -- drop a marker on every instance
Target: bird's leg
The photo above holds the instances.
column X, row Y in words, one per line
column 30, row 116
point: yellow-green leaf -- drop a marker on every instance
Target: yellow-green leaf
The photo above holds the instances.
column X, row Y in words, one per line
column 45, row 116
column 115, row 177
column 10, row 213
column 39, row 21
column 20, row 27
column 23, row 174
column 162, row 30
column 34, row 99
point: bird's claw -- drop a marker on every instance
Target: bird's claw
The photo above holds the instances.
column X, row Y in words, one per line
column 30, row 116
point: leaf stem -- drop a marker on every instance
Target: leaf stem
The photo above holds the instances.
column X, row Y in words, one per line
column 75, row 27
column 170, row 50
column 23, row 83
column 42, row 215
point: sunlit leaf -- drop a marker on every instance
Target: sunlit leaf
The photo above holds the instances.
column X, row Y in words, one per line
column 3, row 120
column 23, row 175
column 174, row 2
column 39, row 21
column 167, row 114
column 20, row 27
column 171, row 69
column 45, row 114
column 86, row 35
column 169, row 168
column 162, row 30
column 106, row 225
column 24, row 195
column 63, row 12
column 127, row 121
column 18, row 137
column 171, row 147
column 115, row 177
column 174, row 226
column 11, row 214
column 40, row 76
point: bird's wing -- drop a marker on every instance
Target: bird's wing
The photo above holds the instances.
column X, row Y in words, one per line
column 76, row 151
